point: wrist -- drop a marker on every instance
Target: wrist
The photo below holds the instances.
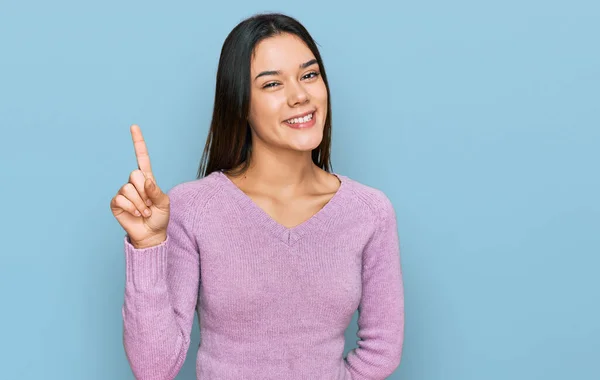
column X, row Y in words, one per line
column 148, row 242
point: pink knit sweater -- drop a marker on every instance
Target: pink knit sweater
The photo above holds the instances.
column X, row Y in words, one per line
column 273, row 302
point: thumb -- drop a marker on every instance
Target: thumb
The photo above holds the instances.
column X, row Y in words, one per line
column 158, row 198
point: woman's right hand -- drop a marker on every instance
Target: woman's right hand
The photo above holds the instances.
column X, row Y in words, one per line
column 138, row 196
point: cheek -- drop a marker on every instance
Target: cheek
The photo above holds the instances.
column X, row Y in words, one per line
column 265, row 109
column 320, row 98
column 321, row 94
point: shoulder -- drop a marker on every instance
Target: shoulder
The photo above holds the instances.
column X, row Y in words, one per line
column 370, row 197
column 194, row 194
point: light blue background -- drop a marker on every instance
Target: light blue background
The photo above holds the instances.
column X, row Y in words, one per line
column 480, row 120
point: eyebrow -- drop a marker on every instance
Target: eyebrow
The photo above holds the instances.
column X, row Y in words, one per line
column 277, row 72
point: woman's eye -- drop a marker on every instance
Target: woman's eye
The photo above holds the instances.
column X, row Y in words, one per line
column 311, row 75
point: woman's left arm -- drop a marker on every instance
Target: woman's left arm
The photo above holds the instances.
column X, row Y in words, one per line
column 381, row 310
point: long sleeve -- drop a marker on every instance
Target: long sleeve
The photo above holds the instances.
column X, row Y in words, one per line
column 161, row 290
column 381, row 310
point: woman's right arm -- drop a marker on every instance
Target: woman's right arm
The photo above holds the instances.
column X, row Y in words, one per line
column 162, row 269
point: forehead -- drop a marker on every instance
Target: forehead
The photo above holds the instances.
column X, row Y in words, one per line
column 280, row 52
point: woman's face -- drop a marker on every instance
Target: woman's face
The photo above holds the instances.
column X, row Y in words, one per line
column 288, row 98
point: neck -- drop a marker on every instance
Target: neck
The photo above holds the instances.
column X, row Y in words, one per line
column 286, row 171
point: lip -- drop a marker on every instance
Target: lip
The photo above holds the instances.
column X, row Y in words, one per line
column 300, row 115
column 304, row 125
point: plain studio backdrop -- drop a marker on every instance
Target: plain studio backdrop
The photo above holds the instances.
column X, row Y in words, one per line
column 480, row 120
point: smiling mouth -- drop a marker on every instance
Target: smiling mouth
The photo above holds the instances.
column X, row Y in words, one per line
column 300, row 120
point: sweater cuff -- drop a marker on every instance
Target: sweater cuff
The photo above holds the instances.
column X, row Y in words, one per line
column 145, row 268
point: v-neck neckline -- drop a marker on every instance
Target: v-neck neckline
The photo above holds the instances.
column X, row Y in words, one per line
column 288, row 235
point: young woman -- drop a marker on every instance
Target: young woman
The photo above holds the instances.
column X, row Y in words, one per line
column 272, row 250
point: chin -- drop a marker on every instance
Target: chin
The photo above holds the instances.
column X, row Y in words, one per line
column 304, row 139
column 306, row 143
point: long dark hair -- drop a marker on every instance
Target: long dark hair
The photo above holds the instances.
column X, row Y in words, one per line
column 229, row 141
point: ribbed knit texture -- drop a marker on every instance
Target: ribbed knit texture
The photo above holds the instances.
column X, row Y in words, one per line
column 273, row 302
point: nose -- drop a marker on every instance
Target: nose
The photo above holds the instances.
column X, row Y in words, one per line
column 297, row 94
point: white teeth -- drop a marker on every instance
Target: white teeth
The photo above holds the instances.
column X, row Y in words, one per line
column 300, row 119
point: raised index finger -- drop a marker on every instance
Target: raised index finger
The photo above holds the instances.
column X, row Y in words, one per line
column 141, row 152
